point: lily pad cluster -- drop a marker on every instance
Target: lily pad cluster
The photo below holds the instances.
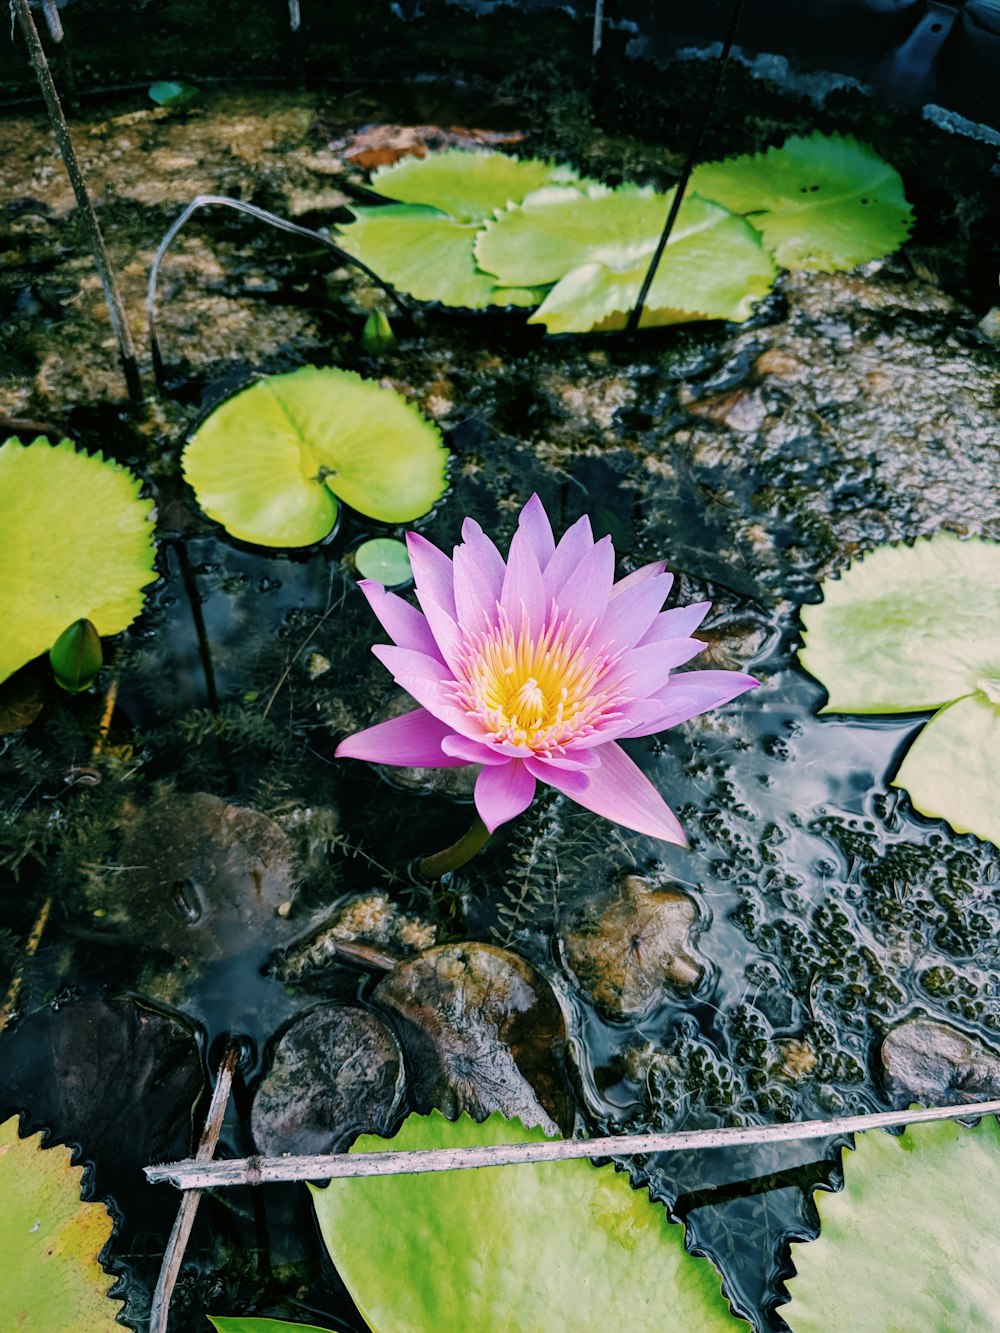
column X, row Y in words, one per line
column 912, row 629
column 273, row 463
column 76, row 543
column 484, row 229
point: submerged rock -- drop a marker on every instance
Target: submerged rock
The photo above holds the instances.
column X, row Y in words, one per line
column 337, row 1072
column 625, row 949
column 369, row 929
column 928, row 1061
column 482, row 1032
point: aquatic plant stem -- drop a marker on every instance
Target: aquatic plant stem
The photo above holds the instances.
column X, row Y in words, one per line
column 30, row 949
column 442, row 863
column 102, row 260
column 689, row 165
column 173, row 1256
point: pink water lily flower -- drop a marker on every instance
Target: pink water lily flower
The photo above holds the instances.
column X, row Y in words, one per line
column 536, row 667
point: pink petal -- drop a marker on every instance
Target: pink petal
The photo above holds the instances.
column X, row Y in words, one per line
column 432, row 573
column 639, row 575
column 574, row 544
column 502, row 793
column 572, row 760
column 523, row 592
column 534, row 523
column 430, row 684
column 631, row 613
column 584, row 596
column 568, row 780
column 446, row 634
column 686, row 695
column 412, row 739
column 677, row 623
column 403, row 622
column 479, row 574
column 621, row 792
column 472, row 752
column 645, row 671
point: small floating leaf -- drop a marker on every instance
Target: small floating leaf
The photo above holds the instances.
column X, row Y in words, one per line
column 467, row 186
column 172, row 94
column 910, row 1241
column 52, row 1276
column 501, row 1250
column 908, row 629
column 75, row 542
column 384, row 559
column 596, row 248
column 76, row 656
column 377, row 335
column 271, row 462
column 825, row 202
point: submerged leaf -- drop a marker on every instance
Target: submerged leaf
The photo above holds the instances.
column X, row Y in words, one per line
column 52, row 1277
column 555, row 1245
column 825, row 202
column 270, row 463
column 597, row 247
column 75, row 543
column 467, row 186
column 910, row 628
column 927, row 1201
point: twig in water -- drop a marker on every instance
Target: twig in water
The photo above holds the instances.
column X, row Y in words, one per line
column 112, row 295
column 193, row 1175
column 262, row 215
column 173, row 1256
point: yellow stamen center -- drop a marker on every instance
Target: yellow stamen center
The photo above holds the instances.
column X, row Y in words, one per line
column 538, row 694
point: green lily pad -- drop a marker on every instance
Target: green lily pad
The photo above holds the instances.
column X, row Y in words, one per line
column 384, row 559
column 76, row 542
column 271, row 462
column 950, row 770
column 426, row 253
column 907, row 628
column 255, row 1324
column 555, row 1245
column 912, row 628
column 52, row 1277
column 823, row 203
column 467, row 186
column 909, row 1244
column 596, row 247
column 167, row 92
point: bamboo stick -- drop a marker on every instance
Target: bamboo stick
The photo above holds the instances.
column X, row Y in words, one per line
column 194, row 1174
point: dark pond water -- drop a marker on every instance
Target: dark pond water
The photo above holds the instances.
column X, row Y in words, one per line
column 853, row 410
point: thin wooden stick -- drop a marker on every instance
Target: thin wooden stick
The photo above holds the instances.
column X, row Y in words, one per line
column 257, row 1170
column 30, row 949
column 173, row 1256
column 102, row 260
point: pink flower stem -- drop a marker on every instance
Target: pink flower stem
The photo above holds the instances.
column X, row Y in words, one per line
column 442, row 863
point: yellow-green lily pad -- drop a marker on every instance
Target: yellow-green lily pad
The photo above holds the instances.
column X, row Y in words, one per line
column 909, row 1244
column 823, row 202
column 76, row 543
column 272, row 462
column 52, row 1280
column 554, row 1245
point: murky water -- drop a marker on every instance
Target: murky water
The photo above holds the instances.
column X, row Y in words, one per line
column 852, row 410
